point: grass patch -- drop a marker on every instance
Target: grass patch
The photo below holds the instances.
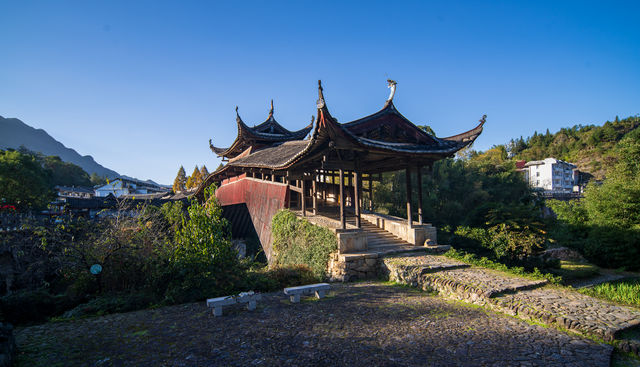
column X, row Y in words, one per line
column 625, row 291
column 490, row 264
column 572, row 270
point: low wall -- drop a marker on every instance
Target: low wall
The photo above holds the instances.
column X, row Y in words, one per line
column 351, row 239
column 418, row 235
column 350, row 267
column 263, row 200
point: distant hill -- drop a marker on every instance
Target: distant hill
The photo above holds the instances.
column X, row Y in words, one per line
column 589, row 147
column 15, row 133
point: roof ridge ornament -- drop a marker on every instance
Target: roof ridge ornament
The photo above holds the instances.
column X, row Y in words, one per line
column 271, row 110
column 320, row 103
column 391, row 84
column 238, row 119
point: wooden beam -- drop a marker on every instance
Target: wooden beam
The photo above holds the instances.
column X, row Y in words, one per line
column 295, row 189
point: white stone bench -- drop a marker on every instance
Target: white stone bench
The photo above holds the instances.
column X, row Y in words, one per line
column 249, row 298
column 295, row 292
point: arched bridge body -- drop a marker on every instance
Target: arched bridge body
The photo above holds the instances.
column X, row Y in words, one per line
column 262, row 198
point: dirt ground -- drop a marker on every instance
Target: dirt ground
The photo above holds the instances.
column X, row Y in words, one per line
column 358, row 324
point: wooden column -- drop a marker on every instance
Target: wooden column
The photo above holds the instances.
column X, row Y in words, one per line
column 262, row 174
column 343, row 219
column 273, row 176
column 286, row 180
column 356, row 196
column 314, row 189
column 419, row 183
column 370, row 192
column 408, row 184
column 303, row 203
column 349, row 185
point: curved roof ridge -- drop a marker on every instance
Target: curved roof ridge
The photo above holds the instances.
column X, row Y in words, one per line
column 469, row 135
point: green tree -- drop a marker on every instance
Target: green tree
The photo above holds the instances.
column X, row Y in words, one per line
column 97, row 179
column 64, row 173
column 204, row 172
column 23, row 180
column 180, row 182
column 204, row 262
column 195, row 179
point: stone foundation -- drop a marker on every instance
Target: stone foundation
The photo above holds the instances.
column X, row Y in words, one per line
column 346, row 268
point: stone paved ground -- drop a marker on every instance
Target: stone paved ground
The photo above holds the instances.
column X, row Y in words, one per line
column 361, row 324
column 485, row 281
column 577, row 311
column 552, row 305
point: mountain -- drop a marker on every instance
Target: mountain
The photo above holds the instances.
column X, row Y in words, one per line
column 15, row 133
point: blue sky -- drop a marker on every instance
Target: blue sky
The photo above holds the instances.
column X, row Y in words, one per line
column 142, row 85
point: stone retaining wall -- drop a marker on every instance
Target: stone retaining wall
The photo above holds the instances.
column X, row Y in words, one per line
column 346, row 268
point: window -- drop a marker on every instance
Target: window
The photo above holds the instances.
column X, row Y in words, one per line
column 538, row 174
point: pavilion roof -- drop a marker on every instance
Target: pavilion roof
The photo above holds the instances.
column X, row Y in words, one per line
column 383, row 141
column 264, row 134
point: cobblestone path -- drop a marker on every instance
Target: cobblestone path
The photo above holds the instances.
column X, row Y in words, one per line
column 359, row 324
column 515, row 295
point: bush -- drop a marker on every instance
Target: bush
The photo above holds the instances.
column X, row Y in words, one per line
column 32, row 306
column 110, row 304
column 502, row 241
column 296, row 242
column 203, row 263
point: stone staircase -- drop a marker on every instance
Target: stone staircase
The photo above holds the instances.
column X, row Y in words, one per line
column 383, row 242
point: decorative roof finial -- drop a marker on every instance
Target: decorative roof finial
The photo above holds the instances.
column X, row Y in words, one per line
column 391, row 84
column 320, row 102
column 313, row 118
column 238, row 119
column 271, row 110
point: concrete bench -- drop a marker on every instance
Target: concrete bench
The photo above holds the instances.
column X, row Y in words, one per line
column 249, row 298
column 294, row 293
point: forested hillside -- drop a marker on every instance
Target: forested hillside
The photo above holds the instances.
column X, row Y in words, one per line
column 590, row 147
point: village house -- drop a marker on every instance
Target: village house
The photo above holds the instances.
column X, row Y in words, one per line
column 552, row 175
column 125, row 186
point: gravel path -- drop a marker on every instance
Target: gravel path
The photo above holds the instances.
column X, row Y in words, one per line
column 359, row 324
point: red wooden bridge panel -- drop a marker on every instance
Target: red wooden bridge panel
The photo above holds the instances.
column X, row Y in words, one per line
column 263, row 200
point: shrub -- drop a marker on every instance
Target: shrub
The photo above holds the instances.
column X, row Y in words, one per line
column 503, row 241
column 203, row 263
column 32, row 306
column 296, row 242
column 103, row 305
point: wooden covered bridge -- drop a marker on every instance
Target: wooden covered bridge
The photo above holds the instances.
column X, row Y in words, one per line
column 328, row 176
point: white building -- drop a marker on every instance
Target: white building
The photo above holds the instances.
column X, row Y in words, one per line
column 551, row 174
column 123, row 186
